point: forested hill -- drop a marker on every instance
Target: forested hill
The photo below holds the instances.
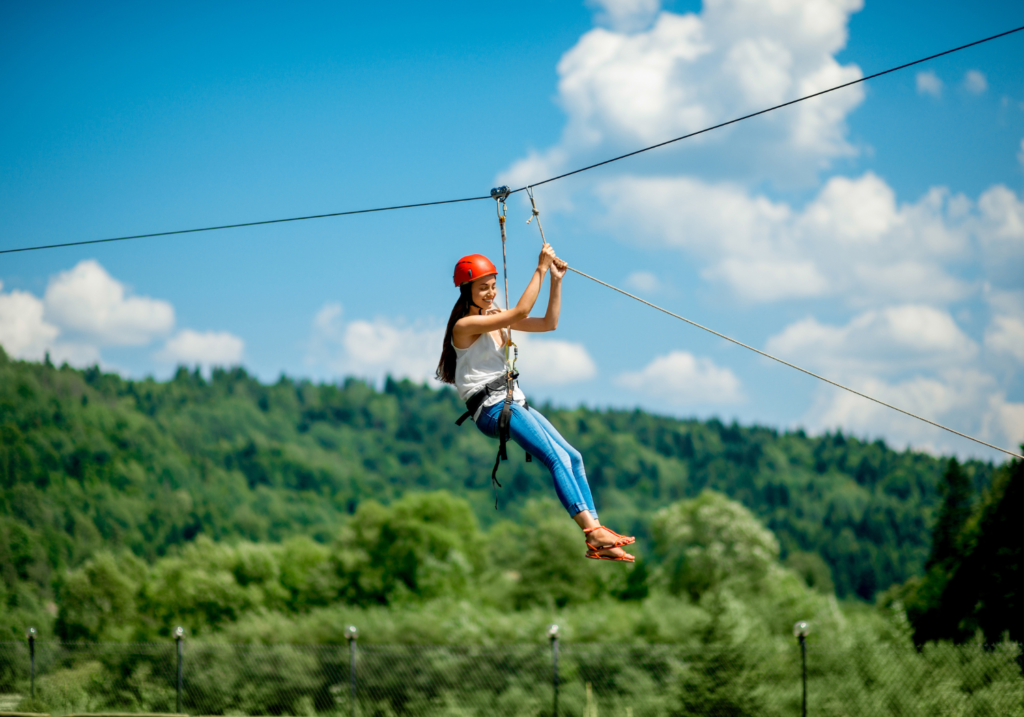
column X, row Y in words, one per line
column 90, row 460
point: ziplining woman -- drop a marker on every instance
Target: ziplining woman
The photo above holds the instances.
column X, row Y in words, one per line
column 474, row 358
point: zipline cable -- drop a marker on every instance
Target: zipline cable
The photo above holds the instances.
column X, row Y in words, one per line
column 243, row 224
column 535, row 184
column 798, row 368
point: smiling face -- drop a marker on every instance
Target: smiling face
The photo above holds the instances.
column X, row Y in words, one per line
column 484, row 290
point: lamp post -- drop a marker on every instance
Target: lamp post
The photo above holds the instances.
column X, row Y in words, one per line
column 30, row 635
column 352, row 634
column 800, row 631
column 553, row 636
column 179, row 638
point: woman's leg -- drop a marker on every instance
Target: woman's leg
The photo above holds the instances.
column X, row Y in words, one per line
column 535, row 434
column 576, row 460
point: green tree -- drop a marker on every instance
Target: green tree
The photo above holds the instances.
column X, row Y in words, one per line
column 98, row 600
column 424, row 545
column 709, row 540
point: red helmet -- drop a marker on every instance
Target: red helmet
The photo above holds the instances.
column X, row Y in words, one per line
column 473, row 267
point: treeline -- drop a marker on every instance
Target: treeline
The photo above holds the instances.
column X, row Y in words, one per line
column 90, row 462
column 974, row 582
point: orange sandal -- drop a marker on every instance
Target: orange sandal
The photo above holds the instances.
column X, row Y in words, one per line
column 622, row 539
column 624, row 558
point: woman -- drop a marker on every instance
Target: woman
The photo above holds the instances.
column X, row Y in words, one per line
column 473, row 358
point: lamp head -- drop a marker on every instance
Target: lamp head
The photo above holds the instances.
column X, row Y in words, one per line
column 30, row 634
column 802, row 629
column 351, row 633
column 179, row 633
column 553, row 632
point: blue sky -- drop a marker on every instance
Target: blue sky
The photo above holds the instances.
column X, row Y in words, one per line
column 876, row 236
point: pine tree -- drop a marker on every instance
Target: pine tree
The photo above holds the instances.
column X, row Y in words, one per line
column 953, row 516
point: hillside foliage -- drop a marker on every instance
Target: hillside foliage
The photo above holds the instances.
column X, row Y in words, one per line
column 94, row 465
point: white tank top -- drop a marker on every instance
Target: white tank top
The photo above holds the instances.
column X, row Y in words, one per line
column 480, row 364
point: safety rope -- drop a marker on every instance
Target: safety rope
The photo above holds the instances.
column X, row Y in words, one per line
column 535, row 184
column 798, row 368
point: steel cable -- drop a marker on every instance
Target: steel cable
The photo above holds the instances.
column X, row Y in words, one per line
column 535, row 184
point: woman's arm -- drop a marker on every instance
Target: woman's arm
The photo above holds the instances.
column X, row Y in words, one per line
column 469, row 326
column 550, row 320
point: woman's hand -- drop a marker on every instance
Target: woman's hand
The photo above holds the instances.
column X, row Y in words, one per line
column 558, row 269
column 546, row 258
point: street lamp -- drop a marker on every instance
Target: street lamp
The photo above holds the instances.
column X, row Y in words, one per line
column 352, row 635
column 179, row 637
column 30, row 635
column 800, row 631
column 553, row 636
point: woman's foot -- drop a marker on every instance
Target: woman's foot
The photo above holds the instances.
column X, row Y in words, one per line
column 605, row 544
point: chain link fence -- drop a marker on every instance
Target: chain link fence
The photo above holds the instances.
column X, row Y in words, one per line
column 570, row 680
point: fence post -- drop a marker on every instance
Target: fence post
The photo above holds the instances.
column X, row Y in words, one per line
column 352, row 634
column 553, row 636
column 801, row 630
column 179, row 636
column 31, row 636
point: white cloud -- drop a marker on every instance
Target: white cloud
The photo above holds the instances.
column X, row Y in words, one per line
column 207, row 348
column 853, row 241
column 643, row 281
column 552, row 362
column 24, row 333
column 374, row 349
column 928, row 83
column 975, row 82
column 895, row 338
column 682, row 378
column 626, row 15
column 690, row 71
column 85, row 309
column 1005, row 336
column 966, row 400
column 87, row 301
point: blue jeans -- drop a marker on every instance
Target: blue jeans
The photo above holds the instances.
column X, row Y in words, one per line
column 533, row 432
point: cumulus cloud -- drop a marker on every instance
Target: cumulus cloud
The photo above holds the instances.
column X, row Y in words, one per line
column 374, row 349
column 681, row 378
column 383, row 346
column 895, row 338
column 206, row 348
column 928, row 83
column 87, row 301
column 85, row 309
column 975, row 82
column 1005, row 337
column 24, row 333
column 552, row 362
column 853, row 240
column 643, row 281
column 625, row 15
column 687, row 72
column 966, row 400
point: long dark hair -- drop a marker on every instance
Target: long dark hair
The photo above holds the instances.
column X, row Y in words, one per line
column 446, row 366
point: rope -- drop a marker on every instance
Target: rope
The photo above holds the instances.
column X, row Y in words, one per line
column 546, row 181
column 792, row 365
column 499, row 194
column 536, row 213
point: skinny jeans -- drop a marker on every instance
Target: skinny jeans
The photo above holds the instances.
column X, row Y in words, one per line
column 539, row 438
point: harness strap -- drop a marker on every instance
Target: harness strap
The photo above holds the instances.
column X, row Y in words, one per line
column 506, row 383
